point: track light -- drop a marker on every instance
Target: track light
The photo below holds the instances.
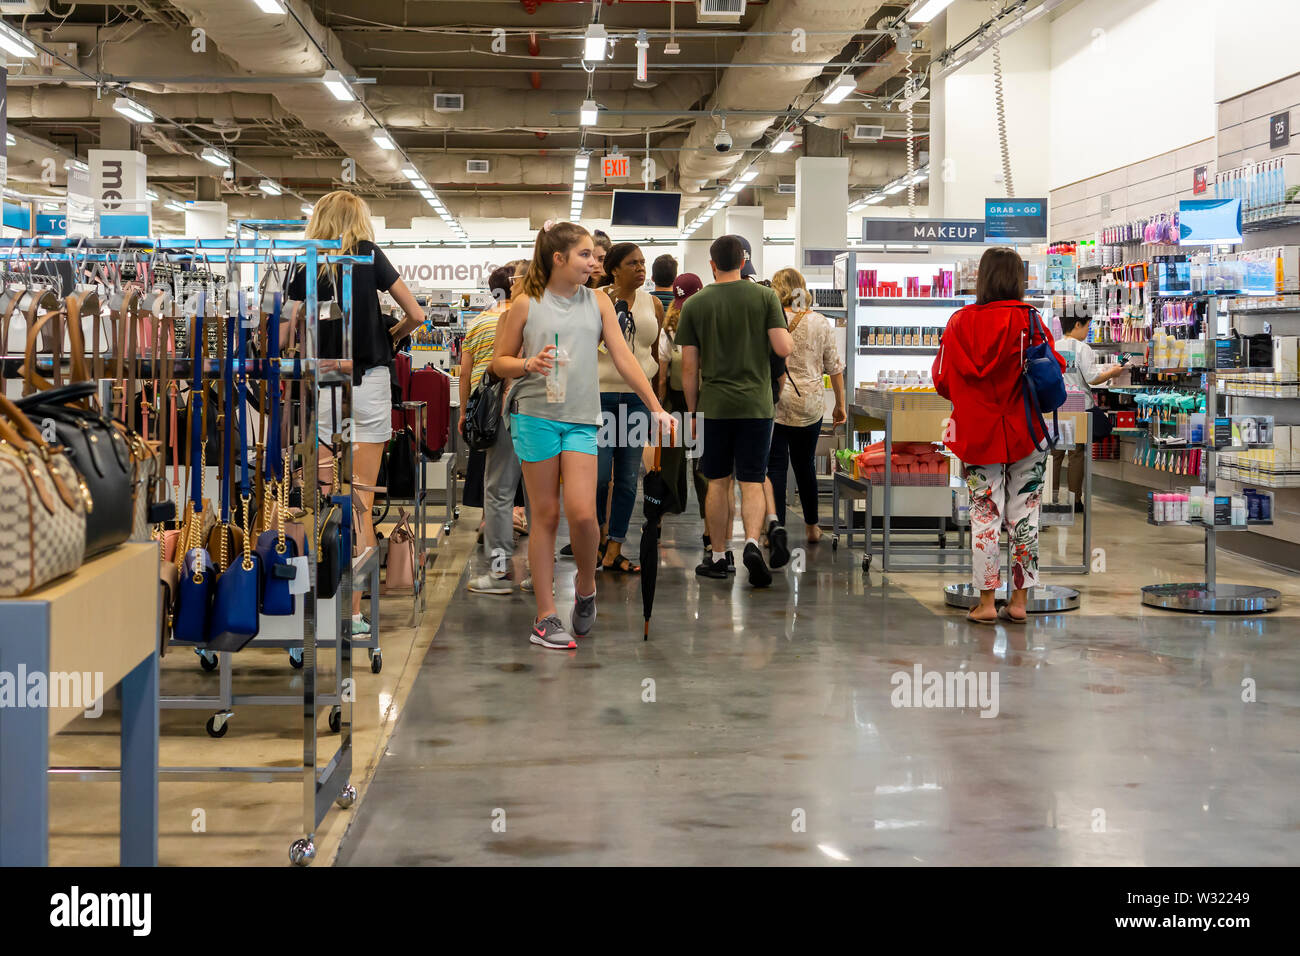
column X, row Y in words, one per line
column 840, row 89
column 338, row 86
column 593, row 44
column 383, row 140
column 15, row 43
column 587, row 114
column 783, row 142
column 270, row 187
column 133, row 110
column 215, row 156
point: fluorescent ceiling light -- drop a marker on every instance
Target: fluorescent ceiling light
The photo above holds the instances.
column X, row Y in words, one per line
column 76, row 164
column 432, row 201
column 579, row 176
column 338, row 86
column 151, row 194
column 383, row 140
column 895, row 189
column 215, row 156
column 426, row 192
column 587, row 114
column 9, row 139
column 269, row 6
column 923, row 11
column 173, row 205
column 873, row 199
column 593, row 44
column 15, row 43
column 50, row 206
column 749, row 175
column 270, row 187
column 132, row 110
column 783, row 142
column 306, row 208
column 840, row 89
column 1034, row 14
column 581, row 160
column 410, row 172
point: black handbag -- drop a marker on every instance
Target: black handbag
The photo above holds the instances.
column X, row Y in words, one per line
column 1102, row 426
column 331, row 548
column 399, row 475
column 483, row 413
column 99, row 452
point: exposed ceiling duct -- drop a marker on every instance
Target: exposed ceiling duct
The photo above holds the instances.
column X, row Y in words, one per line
column 772, row 87
column 269, row 44
column 64, row 102
column 488, row 108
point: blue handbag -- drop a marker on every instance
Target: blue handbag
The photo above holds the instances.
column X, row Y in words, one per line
column 274, row 549
column 234, row 620
column 197, row 575
column 1042, row 381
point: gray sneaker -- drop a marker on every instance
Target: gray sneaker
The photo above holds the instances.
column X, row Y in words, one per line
column 584, row 613
column 549, row 632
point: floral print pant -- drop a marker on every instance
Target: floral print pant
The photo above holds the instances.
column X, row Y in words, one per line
column 1012, row 490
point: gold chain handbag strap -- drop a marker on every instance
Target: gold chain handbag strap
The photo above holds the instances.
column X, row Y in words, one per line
column 283, row 506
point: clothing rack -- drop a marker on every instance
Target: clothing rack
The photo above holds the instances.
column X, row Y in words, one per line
column 324, row 780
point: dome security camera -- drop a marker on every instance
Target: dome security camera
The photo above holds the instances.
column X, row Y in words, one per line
column 722, row 141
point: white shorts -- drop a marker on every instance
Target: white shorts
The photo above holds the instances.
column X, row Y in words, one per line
column 372, row 409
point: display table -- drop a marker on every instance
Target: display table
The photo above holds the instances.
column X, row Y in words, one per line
column 103, row 619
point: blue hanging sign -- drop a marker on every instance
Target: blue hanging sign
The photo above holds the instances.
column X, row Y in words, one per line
column 1023, row 220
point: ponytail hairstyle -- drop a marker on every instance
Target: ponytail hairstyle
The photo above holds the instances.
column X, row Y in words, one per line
column 551, row 238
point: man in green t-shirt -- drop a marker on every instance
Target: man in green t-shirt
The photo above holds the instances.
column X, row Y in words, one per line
column 727, row 331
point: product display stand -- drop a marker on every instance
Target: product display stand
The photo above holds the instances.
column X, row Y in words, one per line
column 101, row 619
column 322, row 784
column 1209, row 596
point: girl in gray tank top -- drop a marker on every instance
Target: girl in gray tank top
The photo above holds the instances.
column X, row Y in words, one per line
column 558, row 440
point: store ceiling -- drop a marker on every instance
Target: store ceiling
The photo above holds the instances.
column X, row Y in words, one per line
column 254, row 91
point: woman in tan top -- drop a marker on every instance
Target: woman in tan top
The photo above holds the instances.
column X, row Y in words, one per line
column 802, row 405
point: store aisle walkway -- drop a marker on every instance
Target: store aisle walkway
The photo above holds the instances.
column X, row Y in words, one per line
column 772, row 737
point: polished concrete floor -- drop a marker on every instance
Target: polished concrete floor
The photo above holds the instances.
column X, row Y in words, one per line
column 760, row 727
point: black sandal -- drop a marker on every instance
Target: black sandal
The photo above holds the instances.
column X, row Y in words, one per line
column 621, row 565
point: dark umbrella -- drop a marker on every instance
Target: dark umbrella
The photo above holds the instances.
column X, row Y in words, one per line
column 657, row 495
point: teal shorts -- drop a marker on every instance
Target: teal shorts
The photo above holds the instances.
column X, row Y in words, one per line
column 537, row 439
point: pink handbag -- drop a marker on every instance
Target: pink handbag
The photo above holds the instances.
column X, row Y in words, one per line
column 400, row 563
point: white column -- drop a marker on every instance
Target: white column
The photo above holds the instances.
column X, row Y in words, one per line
column 747, row 221
column 821, row 201
column 206, row 220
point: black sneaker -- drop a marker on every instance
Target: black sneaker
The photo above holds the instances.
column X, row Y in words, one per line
column 567, row 550
column 779, row 545
column 759, row 575
column 1078, row 507
column 731, row 563
column 708, row 568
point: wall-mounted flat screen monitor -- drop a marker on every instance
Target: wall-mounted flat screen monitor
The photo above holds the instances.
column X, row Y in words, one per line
column 1205, row 222
column 637, row 207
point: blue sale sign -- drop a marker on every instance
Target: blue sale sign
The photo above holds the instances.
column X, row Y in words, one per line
column 1019, row 219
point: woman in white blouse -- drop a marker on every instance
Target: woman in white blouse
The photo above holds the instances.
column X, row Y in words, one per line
column 802, row 405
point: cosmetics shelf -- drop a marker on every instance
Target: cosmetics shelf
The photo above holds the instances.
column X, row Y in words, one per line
column 1288, row 214
column 897, row 349
column 1205, row 524
column 917, row 302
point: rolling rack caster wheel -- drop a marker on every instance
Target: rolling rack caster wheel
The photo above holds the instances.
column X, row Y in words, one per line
column 376, row 661
column 835, row 543
column 943, row 541
column 295, row 658
column 866, row 563
column 456, row 512
column 302, row 852
column 208, row 660
column 218, row 724
column 336, row 718
column 346, row 798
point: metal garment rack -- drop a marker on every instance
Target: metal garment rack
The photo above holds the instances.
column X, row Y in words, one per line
column 1209, row 596
column 322, row 785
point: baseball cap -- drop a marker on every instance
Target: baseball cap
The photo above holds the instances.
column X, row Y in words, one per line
column 747, row 269
column 685, row 286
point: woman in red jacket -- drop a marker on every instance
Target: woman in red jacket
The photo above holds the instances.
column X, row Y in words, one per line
column 978, row 369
